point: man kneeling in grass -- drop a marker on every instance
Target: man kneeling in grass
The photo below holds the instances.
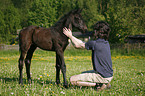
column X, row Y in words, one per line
column 102, row 72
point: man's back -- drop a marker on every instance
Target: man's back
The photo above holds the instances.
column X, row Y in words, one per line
column 101, row 57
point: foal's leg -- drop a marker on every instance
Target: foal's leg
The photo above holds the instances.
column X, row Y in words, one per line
column 57, row 69
column 28, row 61
column 21, row 62
column 62, row 65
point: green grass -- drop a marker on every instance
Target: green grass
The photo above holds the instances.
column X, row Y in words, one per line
column 129, row 74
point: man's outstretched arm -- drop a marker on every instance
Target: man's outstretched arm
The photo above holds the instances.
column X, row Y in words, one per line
column 76, row 42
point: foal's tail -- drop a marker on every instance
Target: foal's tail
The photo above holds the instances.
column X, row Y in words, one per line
column 19, row 41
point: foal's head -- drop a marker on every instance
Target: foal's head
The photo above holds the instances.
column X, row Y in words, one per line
column 75, row 19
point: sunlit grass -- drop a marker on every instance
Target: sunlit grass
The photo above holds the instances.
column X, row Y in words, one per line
column 129, row 75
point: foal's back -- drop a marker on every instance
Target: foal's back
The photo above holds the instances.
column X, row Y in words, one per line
column 44, row 38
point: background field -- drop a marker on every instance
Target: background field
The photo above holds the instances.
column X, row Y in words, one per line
column 129, row 74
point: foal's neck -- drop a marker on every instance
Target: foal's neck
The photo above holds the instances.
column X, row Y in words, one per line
column 60, row 25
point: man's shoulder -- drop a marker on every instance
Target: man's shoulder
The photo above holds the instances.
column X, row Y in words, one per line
column 101, row 41
column 91, row 42
column 90, row 45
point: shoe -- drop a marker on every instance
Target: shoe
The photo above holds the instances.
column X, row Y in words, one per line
column 101, row 86
column 108, row 85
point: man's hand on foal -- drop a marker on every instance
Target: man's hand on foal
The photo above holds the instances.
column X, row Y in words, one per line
column 67, row 32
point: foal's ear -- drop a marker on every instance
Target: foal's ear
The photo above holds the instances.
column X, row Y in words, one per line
column 77, row 11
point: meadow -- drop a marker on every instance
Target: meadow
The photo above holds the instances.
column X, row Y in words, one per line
column 129, row 74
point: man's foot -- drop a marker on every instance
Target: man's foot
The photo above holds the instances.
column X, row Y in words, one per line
column 102, row 86
column 108, row 85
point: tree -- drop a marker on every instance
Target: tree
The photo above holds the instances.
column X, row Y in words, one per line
column 10, row 22
column 126, row 17
column 90, row 13
column 42, row 13
column 12, row 19
column 2, row 26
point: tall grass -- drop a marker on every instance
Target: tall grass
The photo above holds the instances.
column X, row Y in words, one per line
column 129, row 74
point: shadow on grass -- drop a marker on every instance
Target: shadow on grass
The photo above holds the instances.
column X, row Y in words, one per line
column 6, row 79
column 41, row 82
column 25, row 81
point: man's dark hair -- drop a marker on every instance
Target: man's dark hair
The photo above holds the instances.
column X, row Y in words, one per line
column 101, row 30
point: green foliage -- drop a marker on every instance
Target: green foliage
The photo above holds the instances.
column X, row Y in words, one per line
column 126, row 17
column 90, row 13
column 42, row 12
column 10, row 22
column 12, row 19
column 2, row 27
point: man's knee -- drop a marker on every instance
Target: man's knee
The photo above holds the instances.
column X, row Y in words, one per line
column 73, row 80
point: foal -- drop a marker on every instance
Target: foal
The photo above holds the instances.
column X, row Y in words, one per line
column 49, row 39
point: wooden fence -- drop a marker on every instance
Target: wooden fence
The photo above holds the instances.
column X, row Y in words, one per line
column 9, row 47
column 113, row 46
column 128, row 46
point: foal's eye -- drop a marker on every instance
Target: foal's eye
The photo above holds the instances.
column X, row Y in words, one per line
column 77, row 19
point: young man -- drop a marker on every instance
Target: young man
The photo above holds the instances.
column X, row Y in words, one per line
column 102, row 72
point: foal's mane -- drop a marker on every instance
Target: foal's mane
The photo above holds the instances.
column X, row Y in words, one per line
column 63, row 18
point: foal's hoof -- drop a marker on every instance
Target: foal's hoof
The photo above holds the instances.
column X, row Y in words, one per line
column 20, row 82
column 65, row 85
column 29, row 81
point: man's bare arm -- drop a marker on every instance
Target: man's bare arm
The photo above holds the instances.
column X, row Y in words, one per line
column 76, row 42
